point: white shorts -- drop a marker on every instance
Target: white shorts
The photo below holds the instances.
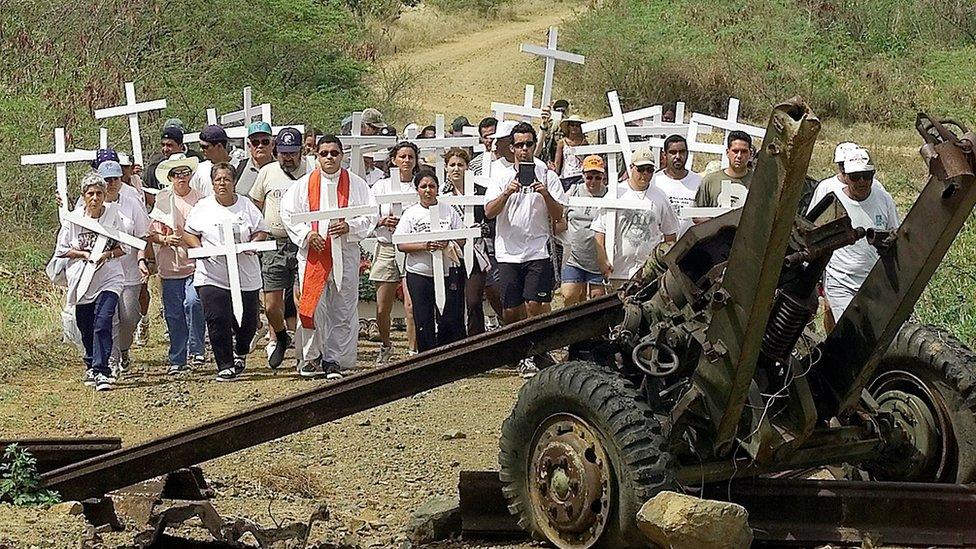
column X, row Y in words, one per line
column 838, row 296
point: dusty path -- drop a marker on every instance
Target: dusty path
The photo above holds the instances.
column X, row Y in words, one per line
column 464, row 75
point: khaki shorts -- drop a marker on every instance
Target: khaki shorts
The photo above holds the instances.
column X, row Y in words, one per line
column 385, row 267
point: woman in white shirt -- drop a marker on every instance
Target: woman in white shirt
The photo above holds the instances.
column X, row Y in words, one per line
column 204, row 226
column 95, row 307
column 433, row 328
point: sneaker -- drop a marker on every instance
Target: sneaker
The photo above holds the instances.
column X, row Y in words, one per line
column 240, row 361
column 114, row 365
column 175, row 369
column 527, row 368
column 331, row 370
column 142, row 332
column 412, row 352
column 491, row 323
column 386, row 353
column 282, row 343
column 310, row 368
column 104, row 383
column 89, row 378
column 259, row 335
column 198, row 360
column 229, row 373
column 125, row 362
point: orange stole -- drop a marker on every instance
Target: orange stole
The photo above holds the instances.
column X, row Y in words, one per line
column 319, row 263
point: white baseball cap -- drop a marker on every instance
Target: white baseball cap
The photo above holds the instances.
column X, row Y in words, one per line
column 840, row 153
column 642, row 157
column 503, row 129
column 858, row 160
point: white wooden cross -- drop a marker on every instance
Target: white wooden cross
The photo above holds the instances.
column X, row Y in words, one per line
column 230, row 248
column 164, row 213
column 440, row 143
column 60, row 158
column 435, row 233
column 732, row 197
column 247, row 112
column 525, row 111
column 702, row 123
column 468, row 201
column 609, row 203
column 329, row 210
column 619, row 120
column 550, row 53
column 131, row 109
column 359, row 144
column 101, row 242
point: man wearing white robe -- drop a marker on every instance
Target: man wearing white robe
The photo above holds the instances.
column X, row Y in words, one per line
column 331, row 345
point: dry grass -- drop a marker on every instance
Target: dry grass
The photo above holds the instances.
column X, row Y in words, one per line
column 293, row 478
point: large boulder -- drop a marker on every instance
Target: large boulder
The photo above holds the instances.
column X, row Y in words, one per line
column 678, row 521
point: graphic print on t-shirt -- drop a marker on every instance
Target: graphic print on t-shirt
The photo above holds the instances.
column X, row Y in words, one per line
column 637, row 227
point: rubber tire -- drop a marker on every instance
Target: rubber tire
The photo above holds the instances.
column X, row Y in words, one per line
column 630, row 433
column 949, row 367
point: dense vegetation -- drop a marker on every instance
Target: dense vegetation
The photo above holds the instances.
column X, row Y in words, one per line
column 856, row 60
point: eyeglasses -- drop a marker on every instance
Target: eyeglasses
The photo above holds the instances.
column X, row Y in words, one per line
column 330, row 153
column 260, row 142
column 524, row 144
column 861, row 176
column 185, row 172
column 644, row 169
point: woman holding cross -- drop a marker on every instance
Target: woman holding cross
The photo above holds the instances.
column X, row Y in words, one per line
column 433, row 328
column 95, row 304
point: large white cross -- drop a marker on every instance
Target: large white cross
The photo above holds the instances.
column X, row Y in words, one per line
column 248, row 112
column 702, row 123
column 359, row 144
column 329, row 210
column 619, row 120
column 131, row 109
column 525, row 111
column 435, row 233
column 609, row 202
column 440, row 143
column 230, row 249
column 60, row 158
column 467, row 202
column 551, row 54
column 101, row 242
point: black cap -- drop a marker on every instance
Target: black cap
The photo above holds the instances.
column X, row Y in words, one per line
column 459, row 124
column 174, row 133
column 561, row 104
column 213, row 134
column 289, row 140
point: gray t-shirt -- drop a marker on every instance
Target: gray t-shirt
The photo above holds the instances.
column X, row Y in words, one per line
column 578, row 236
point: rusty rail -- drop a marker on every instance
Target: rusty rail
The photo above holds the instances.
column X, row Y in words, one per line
column 332, row 401
column 54, row 453
column 789, row 512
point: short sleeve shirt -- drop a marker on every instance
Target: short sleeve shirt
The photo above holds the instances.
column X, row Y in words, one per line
column 206, row 220
column 711, row 187
column 638, row 231
column 416, row 219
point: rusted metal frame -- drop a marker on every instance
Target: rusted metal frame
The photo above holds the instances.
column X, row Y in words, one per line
column 754, row 267
column 484, row 511
column 54, row 453
column 890, row 292
column 814, row 512
column 353, row 394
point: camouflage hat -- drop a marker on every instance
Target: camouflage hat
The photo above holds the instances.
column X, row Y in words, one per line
column 373, row 117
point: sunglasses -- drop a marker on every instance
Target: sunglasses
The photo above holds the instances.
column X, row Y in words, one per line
column 333, row 154
column 645, row 169
column 861, row 176
column 260, row 142
column 181, row 173
column 523, row 145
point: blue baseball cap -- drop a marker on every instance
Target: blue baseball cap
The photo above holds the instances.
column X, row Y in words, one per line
column 213, row 134
column 258, row 127
column 289, row 140
column 101, row 155
column 109, row 168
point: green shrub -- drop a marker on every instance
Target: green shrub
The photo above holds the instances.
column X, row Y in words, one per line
column 19, row 481
column 856, row 60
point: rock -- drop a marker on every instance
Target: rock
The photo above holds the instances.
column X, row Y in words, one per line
column 67, row 508
column 435, row 520
column 453, row 434
column 364, row 423
column 686, row 522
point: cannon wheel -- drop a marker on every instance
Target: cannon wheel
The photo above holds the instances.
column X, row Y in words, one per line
column 580, row 453
column 927, row 378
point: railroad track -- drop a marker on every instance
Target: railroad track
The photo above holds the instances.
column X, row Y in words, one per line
column 791, row 512
column 54, row 453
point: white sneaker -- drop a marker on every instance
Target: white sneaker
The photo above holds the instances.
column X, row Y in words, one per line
column 386, row 353
column 104, row 383
column 259, row 335
column 89, row 378
column 527, row 368
column 142, row 332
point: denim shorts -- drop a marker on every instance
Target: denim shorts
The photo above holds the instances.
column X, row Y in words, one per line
column 575, row 275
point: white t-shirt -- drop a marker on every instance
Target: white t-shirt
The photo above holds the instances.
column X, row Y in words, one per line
column 205, row 220
column 416, row 219
column 135, row 221
column 638, row 231
column 107, row 278
column 523, row 227
column 373, row 176
column 201, row 180
column 850, row 265
column 388, row 186
column 680, row 192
